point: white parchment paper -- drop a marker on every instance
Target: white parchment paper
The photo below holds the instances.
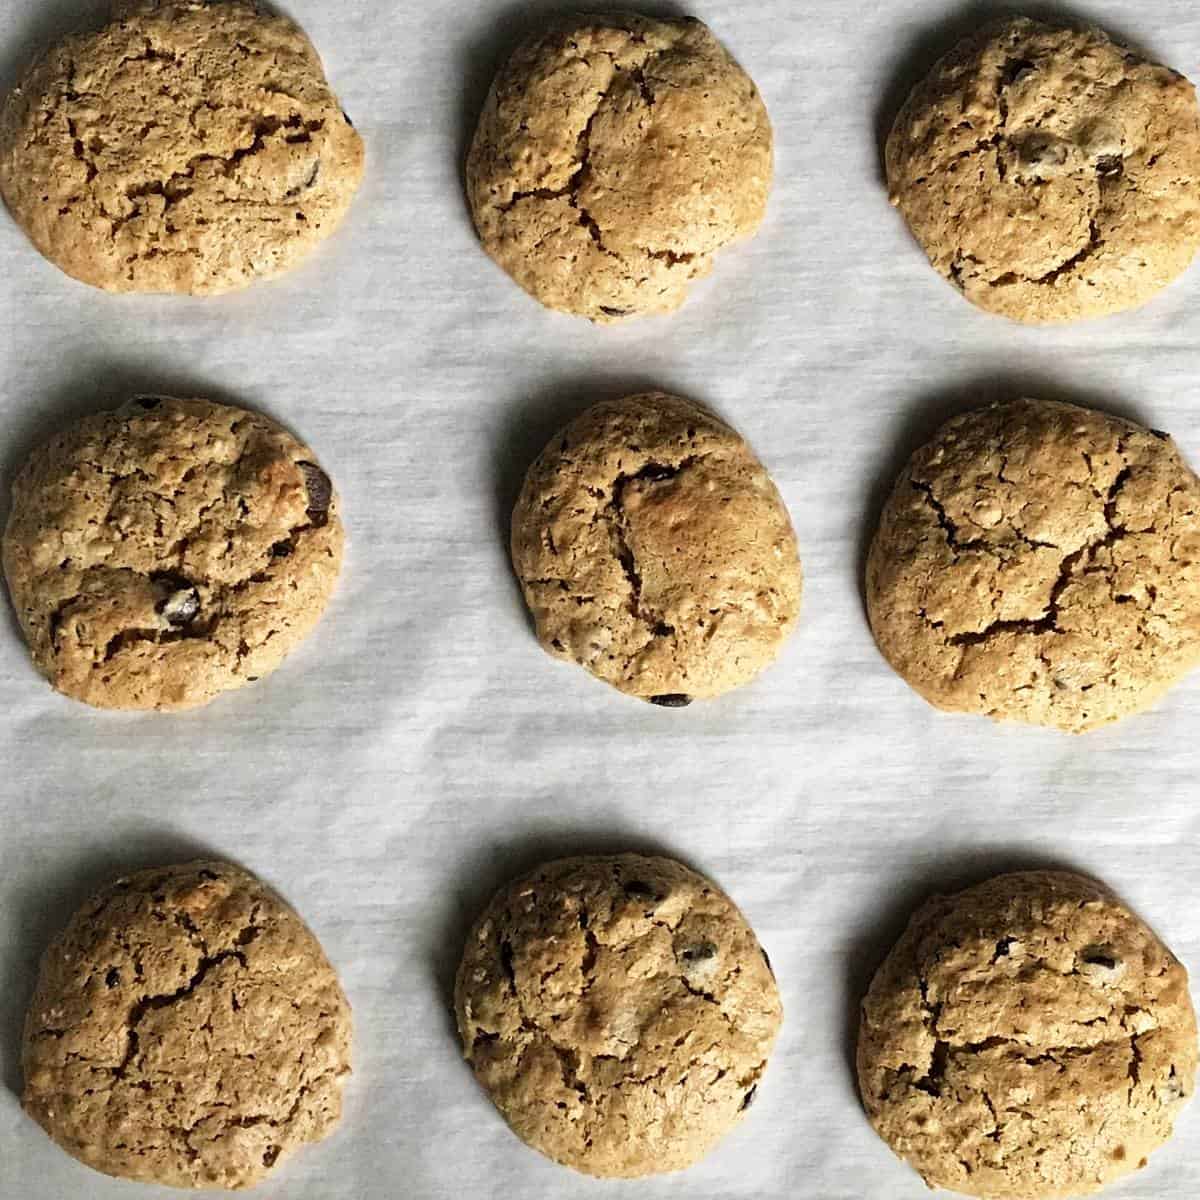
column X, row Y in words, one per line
column 420, row 749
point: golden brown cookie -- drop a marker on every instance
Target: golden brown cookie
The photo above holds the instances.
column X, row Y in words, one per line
column 1049, row 173
column 654, row 550
column 1027, row 1038
column 619, row 1012
column 186, row 1030
column 185, row 147
column 1040, row 562
column 170, row 550
column 614, row 157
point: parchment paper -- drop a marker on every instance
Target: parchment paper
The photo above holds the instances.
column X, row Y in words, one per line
column 420, row 749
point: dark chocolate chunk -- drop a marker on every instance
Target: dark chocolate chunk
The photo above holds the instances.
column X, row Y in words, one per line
column 181, row 605
column 671, row 700
column 320, row 492
column 641, row 890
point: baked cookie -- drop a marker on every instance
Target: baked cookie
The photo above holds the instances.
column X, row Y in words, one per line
column 654, row 550
column 614, row 157
column 168, row 551
column 186, row 1030
column 1049, row 173
column 1029, row 1037
column 1040, row 562
column 618, row 1011
column 185, row 147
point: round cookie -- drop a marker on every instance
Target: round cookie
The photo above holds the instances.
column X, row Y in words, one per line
column 1027, row 1038
column 1049, row 173
column 618, row 1011
column 614, row 157
column 185, row 147
column 186, row 1030
column 170, row 550
column 654, row 550
column 1040, row 562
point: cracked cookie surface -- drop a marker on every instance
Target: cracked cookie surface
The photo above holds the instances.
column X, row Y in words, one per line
column 186, row 1030
column 654, row 550
column 168, row 551
column 185, row 147
column 1040, row 562
column 614, row 157
column 619, row 1012
column 1050, row 174
column 1029, row 1037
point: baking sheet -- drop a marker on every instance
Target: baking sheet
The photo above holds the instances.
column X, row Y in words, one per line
column 420, row 749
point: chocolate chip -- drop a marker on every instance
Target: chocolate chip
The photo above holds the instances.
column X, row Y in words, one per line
column 662, row 629
column 320, row 492
column 281, row 549
column 1109, row 166
column 614, row 312
column 181, row 608
column 1163, row 437
column 112, row 978
column 748, row 1098
column 182, row 603
column 643, row 891
column 699, row 952
column 671, row 700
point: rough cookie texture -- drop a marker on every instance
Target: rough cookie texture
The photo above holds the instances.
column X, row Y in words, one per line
column 619, row 1012
column 1049, row 173
column 1039, row 562
column 614, row 157
column 185, row 147
column 186, row 1030
column 654, row 550
column 168, row 551
column 1029, row 1037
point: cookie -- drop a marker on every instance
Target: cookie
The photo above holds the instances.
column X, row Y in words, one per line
column 1049, row 173
column 654, row 550
column 168, row 551
column 614, row 157
column 1040, row 562
column 1029, row 1037
column 619, row 1012
column 185, row 147
column 186, row 1030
